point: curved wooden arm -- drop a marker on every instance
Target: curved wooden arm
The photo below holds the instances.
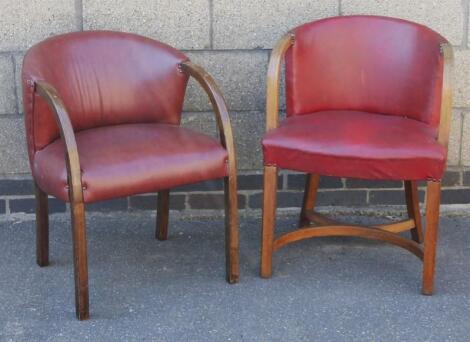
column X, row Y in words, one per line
column 446, row 99
column 49, row 94
column 273, row 80
column 218, row 104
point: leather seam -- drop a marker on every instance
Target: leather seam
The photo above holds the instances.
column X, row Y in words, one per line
column 350, row 158
column 360, row 111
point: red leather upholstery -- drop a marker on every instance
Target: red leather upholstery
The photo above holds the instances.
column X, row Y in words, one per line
column 124, row 95
column 366, row 63
column 104, row 78
column 356, row 144
column 363, row 100
column 129, row 159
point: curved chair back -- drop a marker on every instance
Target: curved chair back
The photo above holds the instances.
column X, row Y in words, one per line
column 366, row 63
column 104, row 78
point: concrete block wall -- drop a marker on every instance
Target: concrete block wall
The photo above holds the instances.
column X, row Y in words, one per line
column 232, row 39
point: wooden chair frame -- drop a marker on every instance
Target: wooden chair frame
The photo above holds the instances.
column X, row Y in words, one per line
column 50, row 95
column 312, row 224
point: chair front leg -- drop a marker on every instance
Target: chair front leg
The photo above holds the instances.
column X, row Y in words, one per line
column 80, row 260
column 163, row 213
column 42, row 227
column 433, row 199
column 310, row 197
column 412, row 204
column 268, row 219
column 231, row 229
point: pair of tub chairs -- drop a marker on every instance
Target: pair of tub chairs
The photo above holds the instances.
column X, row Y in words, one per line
column 366, row 97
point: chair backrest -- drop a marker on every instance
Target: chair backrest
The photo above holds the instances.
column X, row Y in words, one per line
column 366, row 63
column 104, row 78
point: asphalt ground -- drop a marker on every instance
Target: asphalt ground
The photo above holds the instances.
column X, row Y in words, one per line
column 142, row 289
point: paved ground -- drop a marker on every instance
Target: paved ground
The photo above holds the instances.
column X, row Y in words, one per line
column 146, row 290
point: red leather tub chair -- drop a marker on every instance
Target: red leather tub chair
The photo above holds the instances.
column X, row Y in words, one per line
column 102, row 114
column 367, row 97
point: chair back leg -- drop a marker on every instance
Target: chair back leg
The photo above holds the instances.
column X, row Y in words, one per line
column 310, row 198
column 433, row 199
column 412, row 204
column 231, row 230
column 80, row 261
column 42, row 227
column 268, row 219
column 163, row 213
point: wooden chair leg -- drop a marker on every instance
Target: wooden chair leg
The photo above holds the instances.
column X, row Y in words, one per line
column 412, row 204
column 80, row 261
column 163, row 213
column 310, row 197
column 231, row 230
column 42, row 227
column 433, row 198
column 268, row 219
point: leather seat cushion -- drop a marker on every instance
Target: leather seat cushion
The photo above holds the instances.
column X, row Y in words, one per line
column 356, row 144
column 130, row 159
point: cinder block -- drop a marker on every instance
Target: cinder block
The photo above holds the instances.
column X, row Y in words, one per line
column 241, row 24
column 287, row 199
column 455, row 196
column 240, row 75
column 25, row 22
column 117, row 204
column 15, row 187
column 461, row 78
column 248, row 128
column 445, row 17
column 254, row 181
column 7, row 85
column 354, row 183
column 465, row 157
column 453, row 156
column 452, row 177
column 296, row 181
column 209, row 185
column 149, row 202
column 196, row 99
column 212, row 201
column 182, row 24
column 466, row 177
column 19, row 90
column 391, row 197
column 28, row 205
column 13, row 153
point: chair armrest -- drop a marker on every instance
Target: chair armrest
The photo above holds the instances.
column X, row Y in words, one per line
column 273, row 80
column 220, row 108
column 446, row 99
column 50, row 95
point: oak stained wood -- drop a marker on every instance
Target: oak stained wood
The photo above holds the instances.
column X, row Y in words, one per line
column 321, row 221
column 412, row 205
column 49, row 94
column 273, row 80
column 310, row 198
column 433, row 198
column 230, row 182
column 67, row 135
column 42, row 227
column 268, row 219
column 387, row 232
column 355, row 231
column 446, row 102
column 232, row 239
column 163, row 213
